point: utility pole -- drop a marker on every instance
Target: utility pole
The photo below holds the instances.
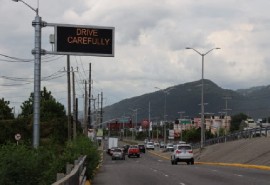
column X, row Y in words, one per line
column 181, row 112
column 101, row 108
column 226, row 113
column 69, row 97
column 89, row 105
column 74, row 105
column 98, row 110
column 149, row 121
column 85, row 107
column 76, row 118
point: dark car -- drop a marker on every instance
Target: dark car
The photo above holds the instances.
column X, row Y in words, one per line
column 141, row 148
column 126, row 147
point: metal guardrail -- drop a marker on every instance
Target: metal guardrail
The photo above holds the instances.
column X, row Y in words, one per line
column 75, row 174
column 249, row 133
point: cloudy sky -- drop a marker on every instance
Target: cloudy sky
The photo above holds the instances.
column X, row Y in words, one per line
column 150, row 41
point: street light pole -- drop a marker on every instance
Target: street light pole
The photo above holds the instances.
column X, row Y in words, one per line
column 165, row 102
column 38, row 24
column 181, row 112
column 202, row 95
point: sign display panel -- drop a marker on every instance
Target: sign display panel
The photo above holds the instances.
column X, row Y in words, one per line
column 84, row 40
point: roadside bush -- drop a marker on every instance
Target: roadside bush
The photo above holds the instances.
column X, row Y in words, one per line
column 21, row 165
column 83, row 146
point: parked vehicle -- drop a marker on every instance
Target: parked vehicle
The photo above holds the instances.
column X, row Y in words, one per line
column 150, row 146
column 141, row 148
column 182, row 153
column 134, row 151
column 118, row 153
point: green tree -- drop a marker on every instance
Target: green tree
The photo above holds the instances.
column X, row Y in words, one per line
column 5, row 110
column 49, row 107
column 53, row 120
column 237, row 120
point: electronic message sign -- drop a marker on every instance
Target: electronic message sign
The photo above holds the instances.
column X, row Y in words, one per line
column 84, row 40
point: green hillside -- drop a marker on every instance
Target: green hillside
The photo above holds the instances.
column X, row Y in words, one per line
column 254, row 102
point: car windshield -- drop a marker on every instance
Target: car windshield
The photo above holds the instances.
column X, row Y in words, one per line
column 117, row 150
column 150, row 143
column 133, row 146
column 184, row 147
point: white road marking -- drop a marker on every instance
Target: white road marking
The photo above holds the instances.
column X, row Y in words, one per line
column 238, row 175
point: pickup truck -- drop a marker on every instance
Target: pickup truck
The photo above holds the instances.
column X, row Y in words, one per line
column 134, row 151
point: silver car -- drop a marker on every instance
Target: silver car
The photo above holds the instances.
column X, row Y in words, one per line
column 118, row 153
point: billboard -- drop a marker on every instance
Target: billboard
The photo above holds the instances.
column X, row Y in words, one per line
column 84, row 40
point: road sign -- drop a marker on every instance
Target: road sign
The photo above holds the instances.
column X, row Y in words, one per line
column 185, row 122
column 84, row 40
column 17, row 137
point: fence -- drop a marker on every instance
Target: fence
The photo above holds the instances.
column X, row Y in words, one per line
column 75, row 174
column 249, row 133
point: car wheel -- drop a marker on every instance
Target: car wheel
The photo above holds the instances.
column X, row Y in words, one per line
column 128, row 156
column 192, row 162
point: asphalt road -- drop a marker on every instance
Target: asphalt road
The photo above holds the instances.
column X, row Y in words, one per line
column 150, row 169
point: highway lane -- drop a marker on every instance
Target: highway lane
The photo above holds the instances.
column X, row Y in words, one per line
column 150, row 169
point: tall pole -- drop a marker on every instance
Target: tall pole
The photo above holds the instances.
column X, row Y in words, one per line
column 37, row 24
column 202, row 107
column 89, row 105
column 101, row 107
column 85, row 108
column 181, row 112
column 165, row 102
column 226, row 114
column 69, row 97
column 37, row 76
column 149, row 121
column 202, row 95
column 74, row 105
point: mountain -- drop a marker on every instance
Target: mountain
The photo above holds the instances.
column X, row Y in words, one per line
column 255, row 102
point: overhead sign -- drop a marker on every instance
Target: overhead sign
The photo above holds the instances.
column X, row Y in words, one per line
column 84, row 40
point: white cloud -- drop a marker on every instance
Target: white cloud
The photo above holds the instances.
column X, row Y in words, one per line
column 150, row 41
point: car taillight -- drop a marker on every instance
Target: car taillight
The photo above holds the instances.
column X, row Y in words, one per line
column 190, row 151
column 178, row 151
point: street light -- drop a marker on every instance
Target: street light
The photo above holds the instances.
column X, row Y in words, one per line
column 202, row 101
column 181, row 112
column 136, row 119
column 38, row 24
column 165, row 102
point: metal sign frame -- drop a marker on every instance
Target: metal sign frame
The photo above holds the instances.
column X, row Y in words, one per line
column 82, row 53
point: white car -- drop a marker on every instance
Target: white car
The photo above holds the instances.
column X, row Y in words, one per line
column 150, row 146
column 169, row 147
column 156, row 144
column 182, row 153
